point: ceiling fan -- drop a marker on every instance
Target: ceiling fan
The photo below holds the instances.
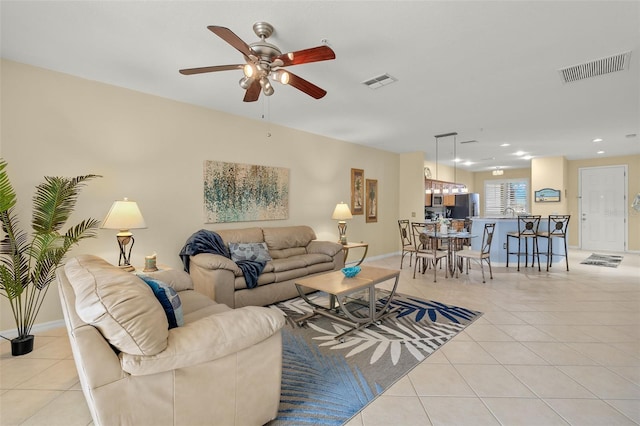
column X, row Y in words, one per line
column 265, row 60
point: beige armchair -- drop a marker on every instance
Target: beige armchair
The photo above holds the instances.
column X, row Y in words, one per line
column 222, row 367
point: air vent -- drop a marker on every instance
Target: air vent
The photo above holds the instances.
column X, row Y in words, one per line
column 619, row 62
column 379, row 81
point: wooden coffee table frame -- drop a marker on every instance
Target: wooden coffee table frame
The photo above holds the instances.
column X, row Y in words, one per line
column 340, row 288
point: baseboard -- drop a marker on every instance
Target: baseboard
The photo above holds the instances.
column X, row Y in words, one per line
column 381, row 256
column 37, row 328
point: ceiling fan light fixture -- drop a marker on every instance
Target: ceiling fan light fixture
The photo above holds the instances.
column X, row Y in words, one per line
column 249, row 70
column 267, row 88
column 245, row 82
column 281, row 76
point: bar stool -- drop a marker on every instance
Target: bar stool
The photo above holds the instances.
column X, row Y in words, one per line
column 527, row 230
column 558, row 224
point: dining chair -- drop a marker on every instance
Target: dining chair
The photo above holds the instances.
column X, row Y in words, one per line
column 527, row 230
column 558, row 225
column 460, row 225
column 482, row 255
column 426, row 246
column 406, row 239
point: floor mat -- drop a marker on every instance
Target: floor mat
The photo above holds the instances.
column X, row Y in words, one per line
column 610, row 261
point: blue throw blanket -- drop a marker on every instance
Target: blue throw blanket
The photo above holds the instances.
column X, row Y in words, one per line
column 205, row 241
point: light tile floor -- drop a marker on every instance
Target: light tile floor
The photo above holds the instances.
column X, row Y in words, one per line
column 553, row 348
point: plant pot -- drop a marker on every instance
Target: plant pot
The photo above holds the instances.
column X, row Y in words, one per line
column 22, row 345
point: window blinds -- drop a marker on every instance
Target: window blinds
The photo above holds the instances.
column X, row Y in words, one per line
column 501, row 194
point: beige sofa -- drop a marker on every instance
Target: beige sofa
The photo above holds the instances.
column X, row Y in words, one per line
column 295, row 253
column 222, row 367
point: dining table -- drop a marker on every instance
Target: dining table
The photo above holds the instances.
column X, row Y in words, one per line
column 451, row 241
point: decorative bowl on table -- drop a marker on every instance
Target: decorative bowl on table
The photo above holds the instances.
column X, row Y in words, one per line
column 350, row 271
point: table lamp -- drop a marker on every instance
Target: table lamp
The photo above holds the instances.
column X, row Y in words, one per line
column 341, row 213
column 123, row 216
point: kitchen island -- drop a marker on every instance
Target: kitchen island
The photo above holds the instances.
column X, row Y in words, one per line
column 506, row 224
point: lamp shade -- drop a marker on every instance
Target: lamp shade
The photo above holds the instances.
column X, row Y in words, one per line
column 341, row 212
column 124, row 215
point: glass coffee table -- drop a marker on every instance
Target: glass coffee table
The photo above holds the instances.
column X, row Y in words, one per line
column 359, row 302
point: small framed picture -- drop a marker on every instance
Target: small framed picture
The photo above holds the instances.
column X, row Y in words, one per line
column 547, row 195
column 357, row 191
column 372, row 200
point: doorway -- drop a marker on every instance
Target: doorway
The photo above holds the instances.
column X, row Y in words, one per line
column 603, row 208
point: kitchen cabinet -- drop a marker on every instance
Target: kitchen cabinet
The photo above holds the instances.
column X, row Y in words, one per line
column 449, row 200
column 427, row 200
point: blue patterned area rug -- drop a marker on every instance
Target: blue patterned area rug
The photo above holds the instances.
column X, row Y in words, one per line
column 326, row 382
column 608, row 260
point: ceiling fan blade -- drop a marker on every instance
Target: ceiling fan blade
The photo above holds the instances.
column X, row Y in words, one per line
column 306, row 87
column 189, row 71
column 229, row 36
column 314, row 54
column 253, row 92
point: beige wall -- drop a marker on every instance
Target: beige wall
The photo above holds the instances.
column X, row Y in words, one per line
column 411, row 195
column 152, row 150
column 549, row 172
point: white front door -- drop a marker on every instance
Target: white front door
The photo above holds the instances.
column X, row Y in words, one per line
column 603, row 208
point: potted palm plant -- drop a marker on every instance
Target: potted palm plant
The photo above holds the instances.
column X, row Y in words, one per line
column 28, row 262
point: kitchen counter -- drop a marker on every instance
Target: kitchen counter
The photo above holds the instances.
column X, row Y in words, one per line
column 506, row 224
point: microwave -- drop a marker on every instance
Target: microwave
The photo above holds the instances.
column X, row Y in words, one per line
column 437, row 200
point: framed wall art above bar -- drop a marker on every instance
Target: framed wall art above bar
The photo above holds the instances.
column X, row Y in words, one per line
column 547, row 195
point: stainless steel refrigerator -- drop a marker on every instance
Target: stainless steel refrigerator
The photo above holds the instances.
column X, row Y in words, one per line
column 467, row 205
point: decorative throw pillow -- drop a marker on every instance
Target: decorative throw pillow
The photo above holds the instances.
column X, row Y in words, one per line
column 249, row 251
column 169, row 300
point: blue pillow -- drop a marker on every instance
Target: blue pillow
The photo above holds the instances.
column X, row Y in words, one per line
column 169, row 300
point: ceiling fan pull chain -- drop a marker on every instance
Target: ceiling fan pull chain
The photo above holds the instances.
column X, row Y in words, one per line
column 266, row 106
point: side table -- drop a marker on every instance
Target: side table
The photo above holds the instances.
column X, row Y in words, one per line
column 161, row 267
column 348, row 246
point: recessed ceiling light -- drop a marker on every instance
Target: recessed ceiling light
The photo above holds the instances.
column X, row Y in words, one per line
column 467, row 163
column 600, row 152
column 457, row 160
column 597, row 140
column 505, row 144
column 527, row 157
column 519, row 153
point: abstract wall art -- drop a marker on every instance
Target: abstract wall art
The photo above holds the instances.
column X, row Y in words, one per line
column 236, row 192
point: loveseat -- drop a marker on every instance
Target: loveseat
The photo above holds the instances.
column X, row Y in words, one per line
column 219, row 366
column 292, row 252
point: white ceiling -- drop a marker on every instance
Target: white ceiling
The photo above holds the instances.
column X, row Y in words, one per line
column 487, row 70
